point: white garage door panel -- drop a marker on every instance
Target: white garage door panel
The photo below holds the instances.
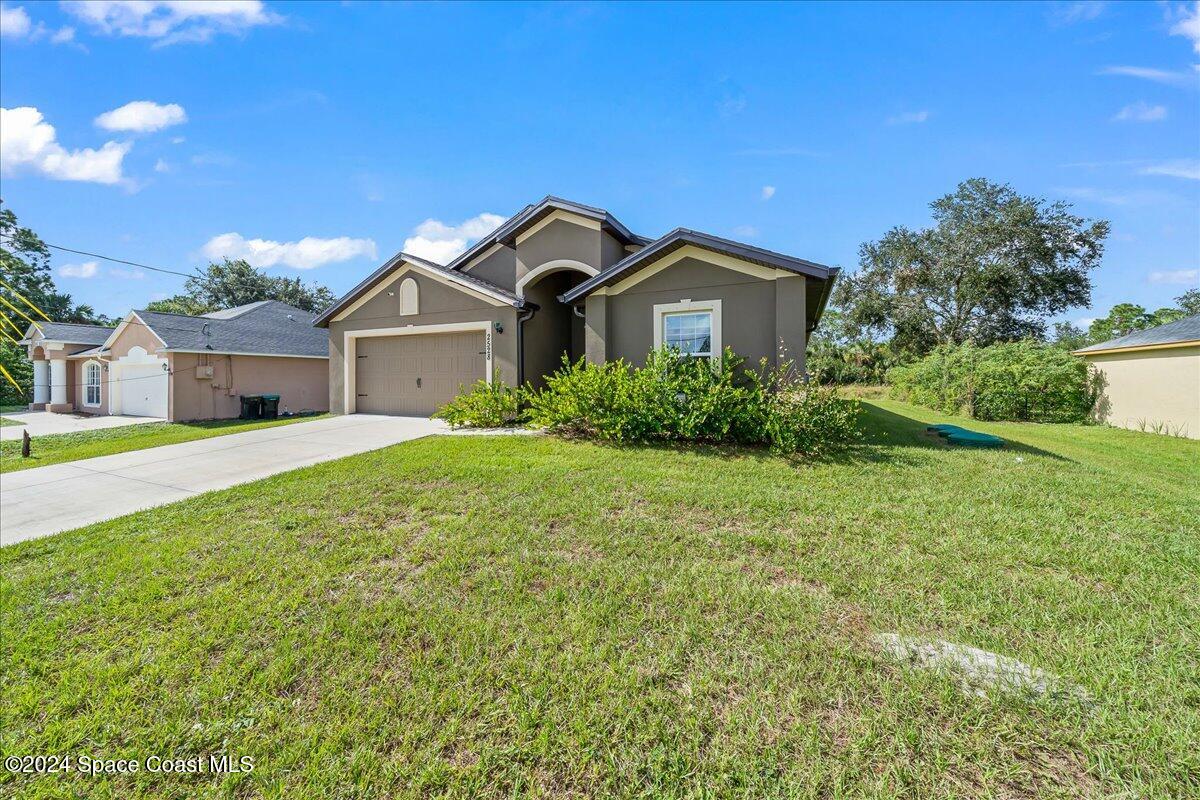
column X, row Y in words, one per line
column 143, row 390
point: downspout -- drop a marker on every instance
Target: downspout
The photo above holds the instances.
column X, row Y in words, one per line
column 523, row 317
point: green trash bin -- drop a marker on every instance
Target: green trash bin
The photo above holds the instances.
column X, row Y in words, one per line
column 270, row 406
column 251, row 406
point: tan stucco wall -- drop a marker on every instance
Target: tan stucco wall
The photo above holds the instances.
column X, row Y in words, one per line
column 75, row 369
column 301, row 383
column 757, row 315
column 134, row 335
column 1150, row 387
column 499, row 267
column 439, row 304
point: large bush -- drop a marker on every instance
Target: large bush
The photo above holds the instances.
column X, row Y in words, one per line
column 484, row 405
column 686, row 399
column 1024, row 381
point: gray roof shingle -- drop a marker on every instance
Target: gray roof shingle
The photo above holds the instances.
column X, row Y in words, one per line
column 1181, row 330
column 267, row 328
column 72, row 333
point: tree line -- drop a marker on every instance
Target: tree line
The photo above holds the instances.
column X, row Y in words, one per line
column 25, row 268
column 993, row 267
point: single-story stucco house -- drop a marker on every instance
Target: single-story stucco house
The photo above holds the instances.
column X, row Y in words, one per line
column 1151, row 378
column 179, row 367
column 560, row 278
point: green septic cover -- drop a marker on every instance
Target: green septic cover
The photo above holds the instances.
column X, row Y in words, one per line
column 946, row 430
column 973, row 439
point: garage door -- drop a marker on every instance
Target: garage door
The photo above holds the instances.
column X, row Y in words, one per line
column 143, row 390
column 415, row 374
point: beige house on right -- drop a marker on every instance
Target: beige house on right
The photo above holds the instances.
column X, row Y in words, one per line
column 1151, row 378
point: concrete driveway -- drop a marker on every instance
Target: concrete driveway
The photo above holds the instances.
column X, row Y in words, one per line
column 45, row 500
column 43, row 423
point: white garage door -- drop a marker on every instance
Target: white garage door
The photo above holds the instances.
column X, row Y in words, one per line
column 143, row 390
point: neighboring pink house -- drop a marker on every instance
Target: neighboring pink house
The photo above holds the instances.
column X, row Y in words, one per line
column 179, row 367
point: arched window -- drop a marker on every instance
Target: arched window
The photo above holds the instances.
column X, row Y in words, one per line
column 408, row 297
column 91, row 383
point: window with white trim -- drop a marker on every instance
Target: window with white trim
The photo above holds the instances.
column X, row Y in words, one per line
column 691, row 327
column 409, row 297
column 91, row 383
column 689, row 332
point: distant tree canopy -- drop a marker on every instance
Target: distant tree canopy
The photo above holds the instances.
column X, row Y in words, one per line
column 993, row 267
column 1125, row 318
column 233, row 282
column 25, row 267
column 26, row 279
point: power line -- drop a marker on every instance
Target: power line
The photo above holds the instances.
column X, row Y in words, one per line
column 116, row 260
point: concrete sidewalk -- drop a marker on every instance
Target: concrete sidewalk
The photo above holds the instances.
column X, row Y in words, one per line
column 45, row 500
column 44, row 423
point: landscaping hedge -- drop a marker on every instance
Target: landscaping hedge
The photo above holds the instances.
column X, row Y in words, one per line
column 671, row 398
column 1022, row 381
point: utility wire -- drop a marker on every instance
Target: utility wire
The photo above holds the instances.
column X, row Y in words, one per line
column 116, row 260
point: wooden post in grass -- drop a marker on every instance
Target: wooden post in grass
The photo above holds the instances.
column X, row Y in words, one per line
column 24, row 444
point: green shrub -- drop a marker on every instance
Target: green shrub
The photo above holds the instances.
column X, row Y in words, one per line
column 1022, row 381
column 686, row 399
column 484, row 405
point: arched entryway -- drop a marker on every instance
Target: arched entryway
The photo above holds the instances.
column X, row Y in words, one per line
column 554, row 329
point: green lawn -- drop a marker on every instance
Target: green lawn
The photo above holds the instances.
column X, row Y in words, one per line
column 4, row 421
column 57, row 448
column 526, row 617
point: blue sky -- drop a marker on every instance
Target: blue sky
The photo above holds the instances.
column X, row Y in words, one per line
column 318, row 139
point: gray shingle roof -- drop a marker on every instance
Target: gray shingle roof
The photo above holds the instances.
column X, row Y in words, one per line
column 396, row 262
column 268, row 328
column 72, row 333
column 683, row 236
column 531, row 214
column 1181, row 330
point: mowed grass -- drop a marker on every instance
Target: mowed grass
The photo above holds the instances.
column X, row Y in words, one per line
column 526, row 617
column 58, row 448
column 5, row 421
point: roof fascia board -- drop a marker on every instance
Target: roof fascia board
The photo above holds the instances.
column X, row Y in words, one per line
column 129, row 320
column 240, row 353
column 387, row 279
column 1133, row 348
column 564, row 216
column 700, row 254
column 475, row 260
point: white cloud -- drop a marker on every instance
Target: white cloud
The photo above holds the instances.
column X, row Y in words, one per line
column 1188, row 168
column 178, row 139
column 1151, row 74
column 745, row 231
column 768, row 192
column 441, row 243
column 142, row 116
column 127, row 274
column 908, row 118
column 1189, row 25
column 171, row 21
column 28, row 141
column 14, row 22
column 1082, row 11
column 161, row 166
column 1085, row 322
column 88, row 269
column 64, row 35
column 1141, row 112
column 1187, row 277
column 308, row 253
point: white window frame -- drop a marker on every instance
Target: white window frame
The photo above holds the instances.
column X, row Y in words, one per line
column 99, row 383
column 663, row 310
column 406, row 286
